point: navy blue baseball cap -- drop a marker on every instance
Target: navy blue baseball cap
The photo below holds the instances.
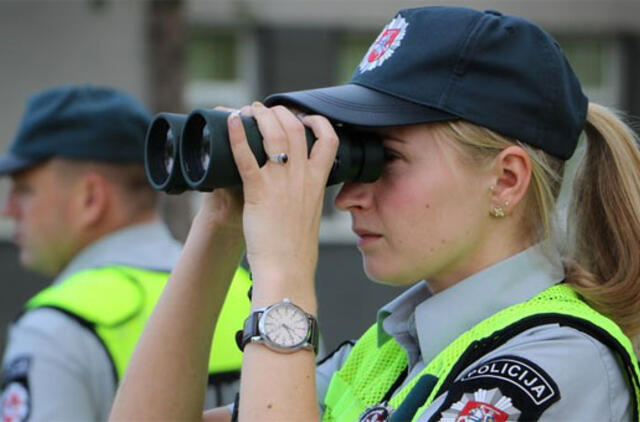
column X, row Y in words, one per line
column 433, row 64
column 79, row 122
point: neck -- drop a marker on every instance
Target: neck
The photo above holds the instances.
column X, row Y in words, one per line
column 92, row 234
column 502, row 242
column 479, row 263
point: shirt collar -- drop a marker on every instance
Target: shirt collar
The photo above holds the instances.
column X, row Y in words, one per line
column 465, row 304
column 146, row 245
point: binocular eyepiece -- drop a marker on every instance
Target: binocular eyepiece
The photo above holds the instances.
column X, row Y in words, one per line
column 192, row 152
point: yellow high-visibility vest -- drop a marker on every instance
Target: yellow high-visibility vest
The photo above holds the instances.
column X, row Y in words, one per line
column 371, row 369
column 116, row 302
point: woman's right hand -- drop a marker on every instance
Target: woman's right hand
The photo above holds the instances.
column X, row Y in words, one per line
column 281, row 217
column 283, row 201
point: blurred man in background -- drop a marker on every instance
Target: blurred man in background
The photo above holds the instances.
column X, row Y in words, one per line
column 85, row 215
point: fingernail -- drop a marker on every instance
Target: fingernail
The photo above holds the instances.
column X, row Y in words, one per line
column 301, row 116
column 235, row 118
column 257, row 104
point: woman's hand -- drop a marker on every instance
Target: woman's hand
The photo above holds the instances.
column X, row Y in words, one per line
column 283, row 201
column 222, row 209
column 281, row 218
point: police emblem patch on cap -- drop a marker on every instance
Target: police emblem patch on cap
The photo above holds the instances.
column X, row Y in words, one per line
column 384, row 46
column 505, row 388
column 482, row 406
column 16, row 400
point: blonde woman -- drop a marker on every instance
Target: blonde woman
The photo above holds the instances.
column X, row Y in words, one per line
column 478, row 112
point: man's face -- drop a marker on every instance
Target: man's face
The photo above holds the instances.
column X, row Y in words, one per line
column 40, row 204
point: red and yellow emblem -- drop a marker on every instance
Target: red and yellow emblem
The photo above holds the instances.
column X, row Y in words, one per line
column 385, row 45
column 15, row 403
column 482, row 406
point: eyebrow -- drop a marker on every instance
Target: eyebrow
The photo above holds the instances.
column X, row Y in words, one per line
column 389, row 137
column 386, row 132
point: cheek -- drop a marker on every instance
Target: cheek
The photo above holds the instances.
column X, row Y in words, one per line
column 431, row 222
column 414, row 219
column 47, row 214
column 421, row 206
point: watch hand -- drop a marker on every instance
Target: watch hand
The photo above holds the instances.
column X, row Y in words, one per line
column 289, row 331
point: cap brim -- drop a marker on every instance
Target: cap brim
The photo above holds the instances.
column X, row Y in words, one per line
column 360, row 106
column 10, row 163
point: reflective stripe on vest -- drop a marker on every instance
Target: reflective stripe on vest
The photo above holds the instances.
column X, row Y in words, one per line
column 116, row 301
column 371, row 370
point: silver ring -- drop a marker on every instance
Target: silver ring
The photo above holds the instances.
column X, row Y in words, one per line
column 281, row 158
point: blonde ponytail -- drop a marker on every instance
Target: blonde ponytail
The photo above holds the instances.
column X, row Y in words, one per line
column 603, row 262
column 604, row 226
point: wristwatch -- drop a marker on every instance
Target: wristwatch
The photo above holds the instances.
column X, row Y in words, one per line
column 282, row 327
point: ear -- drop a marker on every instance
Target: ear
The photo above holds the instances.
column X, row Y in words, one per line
column 512, row 169
column 92, row 200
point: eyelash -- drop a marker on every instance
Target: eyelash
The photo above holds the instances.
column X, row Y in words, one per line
column 390, row 155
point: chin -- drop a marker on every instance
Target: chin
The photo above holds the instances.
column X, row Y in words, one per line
column 389, row 278
column 32, row 265
column 25, row 260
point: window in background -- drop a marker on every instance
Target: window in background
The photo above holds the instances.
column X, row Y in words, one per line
column 598, row 63
column 350, row 53
column 221, row 68
column 212, row 56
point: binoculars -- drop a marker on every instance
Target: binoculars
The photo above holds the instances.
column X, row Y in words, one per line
column 192, row 152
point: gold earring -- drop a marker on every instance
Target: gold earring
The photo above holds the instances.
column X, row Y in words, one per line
column 497, row 212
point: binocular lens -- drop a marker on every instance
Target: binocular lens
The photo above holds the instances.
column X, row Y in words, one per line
column 162, row 154
column 169, row 151
column 195, row 148
column 205, row 147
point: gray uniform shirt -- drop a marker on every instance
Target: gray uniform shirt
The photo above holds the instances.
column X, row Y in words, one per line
column 580, row 371
column 66, row 370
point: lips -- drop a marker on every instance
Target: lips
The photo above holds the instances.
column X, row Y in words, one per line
column 365, row 237
column 363, row 232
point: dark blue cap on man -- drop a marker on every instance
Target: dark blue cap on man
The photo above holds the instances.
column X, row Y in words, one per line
column 80, row 122
column 433, row 64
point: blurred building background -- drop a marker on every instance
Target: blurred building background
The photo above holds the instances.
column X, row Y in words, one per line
column 176, row 55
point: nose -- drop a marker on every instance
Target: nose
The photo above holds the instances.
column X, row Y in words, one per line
column 354, row 196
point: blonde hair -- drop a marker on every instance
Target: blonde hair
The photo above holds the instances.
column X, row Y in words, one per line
column 603, row 257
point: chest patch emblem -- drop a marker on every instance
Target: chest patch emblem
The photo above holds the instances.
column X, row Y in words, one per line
column 385, row 45
column 518, row 372
column 377, row 413
column 15, row 403
column 482, row 406
column 503, row 388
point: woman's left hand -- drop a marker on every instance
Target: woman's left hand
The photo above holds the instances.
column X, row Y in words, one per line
column 283, row 201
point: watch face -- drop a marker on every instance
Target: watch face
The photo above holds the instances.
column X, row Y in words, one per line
column 284, row 326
